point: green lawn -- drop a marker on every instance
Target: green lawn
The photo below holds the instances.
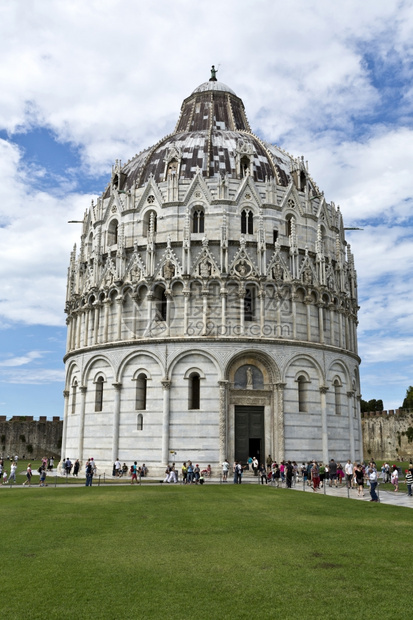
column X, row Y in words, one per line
column 222, row 551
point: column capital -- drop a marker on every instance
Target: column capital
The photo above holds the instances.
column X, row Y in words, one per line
column 66, row 393
column 83, row 389
column 350, row 393
column 166, row 384
column 323, row 389
column 117, row 385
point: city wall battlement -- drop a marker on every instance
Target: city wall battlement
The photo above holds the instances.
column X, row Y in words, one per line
column 30, row 438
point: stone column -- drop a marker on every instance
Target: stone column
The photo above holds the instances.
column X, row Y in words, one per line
column 350, row 410
column 320, row 306
column 241, row 296
column 168, row 296
column 204, row 312
column 83, row 389
column 119, row 304
column 340, row 327
column 324, row 428
column 166, row 385
column 106, row 306
column 223, row 399
column 261, row 295
column 186, row 311
column 78, row 327
column 86, row 326
column 116, row 416
column 308, row 312
column 346, row 332
column 148, row 329
column 294, row 310
column 66, row 394
column 223, row 293
column 279, row 436
column 279, row 330
column 68, row 333
column 98, row 306
column 331, row 306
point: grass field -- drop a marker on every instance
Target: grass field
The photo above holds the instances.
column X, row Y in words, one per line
column 223, row 551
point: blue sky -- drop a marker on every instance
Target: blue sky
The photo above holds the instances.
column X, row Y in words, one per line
column 84, row 84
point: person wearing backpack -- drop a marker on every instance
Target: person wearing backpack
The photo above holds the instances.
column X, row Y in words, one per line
column 134, row 472
column 237, row 473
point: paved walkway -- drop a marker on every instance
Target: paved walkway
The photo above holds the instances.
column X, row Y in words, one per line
column 386, row 497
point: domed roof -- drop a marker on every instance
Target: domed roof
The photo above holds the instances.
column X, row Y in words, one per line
column 211, row 85
column 212, row 134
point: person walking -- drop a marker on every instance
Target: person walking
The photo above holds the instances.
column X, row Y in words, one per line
column 263, row 474
column 29, row 474
column 348, row 468
column 359, row 476
column 76, row 468
column 12, row 476
column 89, row 474
column 332, row 469
column 408, row 479
column 134, row 472
column 373, row 483
column 184, row 471
column 315, row 477
column 395, row 478
column 289, row 474
column 42, row 481
column 190, row 473
column 255, row 466
column 225, row 470
column 238, row 473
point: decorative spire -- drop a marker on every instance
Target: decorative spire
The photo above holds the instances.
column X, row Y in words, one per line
column 213, row 74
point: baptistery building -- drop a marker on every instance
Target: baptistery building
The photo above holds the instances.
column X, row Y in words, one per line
column 211, row 305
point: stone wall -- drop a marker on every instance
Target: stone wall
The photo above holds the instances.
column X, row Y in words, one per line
column 386, row 434
column 29, row 438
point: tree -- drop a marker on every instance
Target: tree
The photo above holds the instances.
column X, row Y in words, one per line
column 408, row 401
column 371, row 405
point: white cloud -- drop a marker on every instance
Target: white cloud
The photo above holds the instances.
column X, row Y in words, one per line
column 35, row 243
column 37, row 376
column 22, row 360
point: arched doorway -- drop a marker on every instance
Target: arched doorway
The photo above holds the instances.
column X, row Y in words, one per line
column 251, row 405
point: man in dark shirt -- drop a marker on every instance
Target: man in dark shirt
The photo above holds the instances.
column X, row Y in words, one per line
column 332, row 468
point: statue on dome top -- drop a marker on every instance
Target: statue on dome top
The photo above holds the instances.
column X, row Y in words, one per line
column 214, row 72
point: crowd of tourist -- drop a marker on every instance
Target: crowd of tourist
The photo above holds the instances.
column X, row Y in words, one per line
column 314, row 474
column 317, row 475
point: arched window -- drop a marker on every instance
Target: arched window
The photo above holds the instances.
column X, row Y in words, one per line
column 99, row 394
column 249, row 304
column 194, row 391
column 247, row 222
column 337, row 396
column 141, row 388
column 150, row 223
column 161, row 303
column 74, row 392
column 302, row 393
column 172, row 167
column 245, row 166
column 274, row 235
column 288, row 225
column 113, row 232
column 198, row 220
column 139, row 422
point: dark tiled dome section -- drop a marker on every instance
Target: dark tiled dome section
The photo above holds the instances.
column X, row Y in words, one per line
column 211, row 127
